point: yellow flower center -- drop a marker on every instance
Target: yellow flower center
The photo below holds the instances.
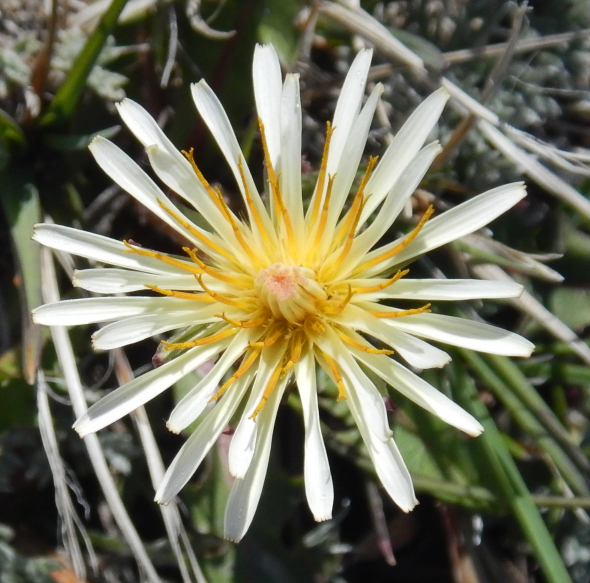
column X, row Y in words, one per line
column 290, row 292
column 284, row 304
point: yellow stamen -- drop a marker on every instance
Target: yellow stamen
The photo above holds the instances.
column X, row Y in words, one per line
column 200, row 341
column 313, row 325
column 161, row 257
column 382, row 286
column 275, row 188
column 337, row 376
column 192, row 253
column 247, row 324
column 296, row 348
column 253, row 209
column 362, row 347
column 324, row 214
column 321, row 178
column 246, row 364
column 182, row 295
column 236, row 229
column 270, row 387
column 350, row 220
column 217, row 297
column 276, row 191
column 189, row 156
column 349, row 238
column 395, row 250
column 204, row 239
column 401, row 313
column 274, row 333
column 338, row 309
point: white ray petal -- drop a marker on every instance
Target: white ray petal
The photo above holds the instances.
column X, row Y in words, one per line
column 414, row 351
column 419, row 391
column 267, row 79
column 244, row 440
column 388, row 462
column 117, row 281
column 195, row 401
column 453, row 224
column 399, row 194
column 91, row 310
column 291, row 151
column 245, row 493
column 137, row 328
column 99, row 248
column 351, row 156
column 181, row 180
column 348, row 106
column 407, row 143
column 318, row 478
column 131, row 178
column 144, row 126
column 144, row 388
column 191, row 454
column 464, row 333
column 442, row 289
column 393, row 205
column 171, row 166
column 218, row 123
column 366, row 393
column 347, row 110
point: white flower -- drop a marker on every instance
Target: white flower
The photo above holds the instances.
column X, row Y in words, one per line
column 286, row 290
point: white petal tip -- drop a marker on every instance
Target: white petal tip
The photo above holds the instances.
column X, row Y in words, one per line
column 322, row 516
column 237, row 474
column 443, row 92
column 81, row 429
column 124, row 103
column 173, row 428
column 475, row 432
column 159, row 498
column 518, row 292
column 96, row 142
column 410, row 505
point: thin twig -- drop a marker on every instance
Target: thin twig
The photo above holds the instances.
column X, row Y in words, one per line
column 523, row 46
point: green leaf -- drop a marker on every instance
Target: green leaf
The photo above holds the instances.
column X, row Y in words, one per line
column 70, row 143
column 276, row 27
column 70, row 91
column 571, row 306
column 12, row 138
column 20, row 200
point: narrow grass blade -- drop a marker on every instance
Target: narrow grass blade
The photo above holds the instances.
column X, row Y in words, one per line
column 67, row 362
column 509, row 483
column 529, row 422
column 70, row 91
column 509, row 372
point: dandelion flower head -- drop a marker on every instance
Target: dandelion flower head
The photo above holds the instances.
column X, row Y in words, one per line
column 284, row 290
